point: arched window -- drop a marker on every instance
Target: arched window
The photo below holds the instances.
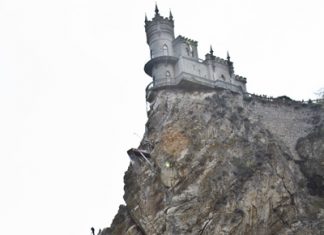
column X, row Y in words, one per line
column 165, row 50
column 191, row 51
column 188, row 51
column 168, row 76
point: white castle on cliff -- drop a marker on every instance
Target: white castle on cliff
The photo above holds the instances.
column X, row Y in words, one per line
column 175, row 61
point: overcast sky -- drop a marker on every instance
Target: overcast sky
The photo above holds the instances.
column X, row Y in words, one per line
column 72, row 98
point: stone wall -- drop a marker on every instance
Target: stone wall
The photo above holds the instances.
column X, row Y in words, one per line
column 287, row 121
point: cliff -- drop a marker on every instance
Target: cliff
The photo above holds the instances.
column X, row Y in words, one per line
column 214, row 162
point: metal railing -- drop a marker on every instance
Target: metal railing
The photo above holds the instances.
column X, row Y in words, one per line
column 283, row 99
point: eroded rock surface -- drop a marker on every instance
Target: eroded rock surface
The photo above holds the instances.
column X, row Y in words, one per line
column 222, row 164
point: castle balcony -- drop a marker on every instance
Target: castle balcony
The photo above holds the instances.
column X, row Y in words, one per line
column 189, row 82
column 186, row 80
column 157, row 60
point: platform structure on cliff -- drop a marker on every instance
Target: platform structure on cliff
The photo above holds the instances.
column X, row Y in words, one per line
column 175, row 63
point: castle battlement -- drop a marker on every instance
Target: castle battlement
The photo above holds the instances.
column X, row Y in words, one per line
column 175, row 62
column 240, row 78
column 185, row 39
column 158, row 20
column 218, row 60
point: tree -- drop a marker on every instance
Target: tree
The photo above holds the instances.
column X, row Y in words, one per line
column 320, row 93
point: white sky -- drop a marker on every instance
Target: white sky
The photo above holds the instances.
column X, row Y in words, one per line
column 72, row 92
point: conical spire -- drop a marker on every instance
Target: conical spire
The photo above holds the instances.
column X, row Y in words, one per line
column 230, row 64
column 146, row 18
column 211, row 51
column 156, row 9
column 170, row 15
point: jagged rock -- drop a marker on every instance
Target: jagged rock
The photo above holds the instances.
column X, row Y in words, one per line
column 122, row 224
column 222, row 164
column 311, row 151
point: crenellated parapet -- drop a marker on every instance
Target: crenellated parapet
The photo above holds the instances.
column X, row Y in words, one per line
column 240, row 78
column 186, row 40
column 159, row 20
column 221, row 60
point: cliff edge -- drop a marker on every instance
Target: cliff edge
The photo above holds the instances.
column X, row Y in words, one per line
column 215, row 162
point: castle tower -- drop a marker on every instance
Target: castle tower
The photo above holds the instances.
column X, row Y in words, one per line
column 160, row 36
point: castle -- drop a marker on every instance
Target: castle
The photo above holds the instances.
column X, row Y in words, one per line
column 175, row 63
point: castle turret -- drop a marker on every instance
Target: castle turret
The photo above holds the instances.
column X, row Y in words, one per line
column 160, row 35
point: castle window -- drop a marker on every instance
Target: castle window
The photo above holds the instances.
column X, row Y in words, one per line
column 188, row 51
column 191, row 51
column 167, row 76
column 165, row 50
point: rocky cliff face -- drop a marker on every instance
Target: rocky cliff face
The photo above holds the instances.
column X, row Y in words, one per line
column 223, row 164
